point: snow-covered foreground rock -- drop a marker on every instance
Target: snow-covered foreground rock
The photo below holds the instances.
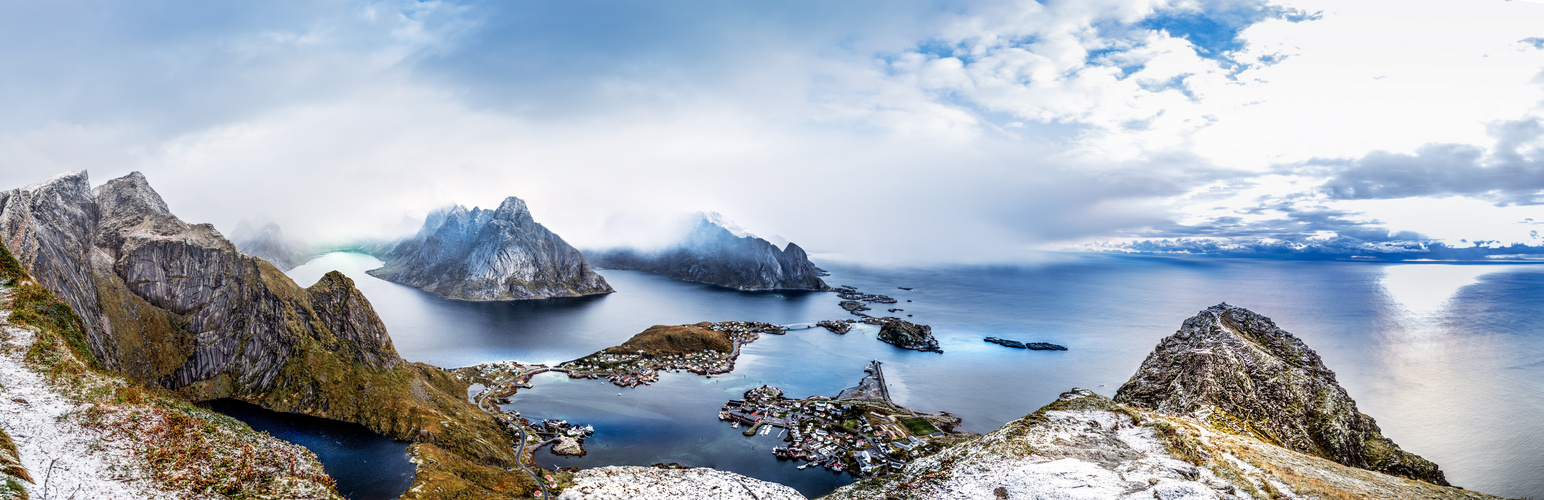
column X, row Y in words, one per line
column 82, row 434
column 1084, row 446
column 63, row 458
column 648, row 483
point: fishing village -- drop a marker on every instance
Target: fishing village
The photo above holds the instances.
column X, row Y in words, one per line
column 704, row 348
column 860, row 431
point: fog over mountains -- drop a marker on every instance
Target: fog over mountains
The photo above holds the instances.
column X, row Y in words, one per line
column 881, row 132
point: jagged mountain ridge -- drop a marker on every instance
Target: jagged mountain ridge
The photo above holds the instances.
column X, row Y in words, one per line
column 717, row 252
column 174, row 304
column 1236, row 368
column 268, row 243
column 144, row 282
column 480, row 254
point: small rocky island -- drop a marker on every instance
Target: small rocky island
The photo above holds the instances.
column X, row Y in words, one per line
column 1035, row 346
column 718, row 252
column 907, row 335
column 480, row 254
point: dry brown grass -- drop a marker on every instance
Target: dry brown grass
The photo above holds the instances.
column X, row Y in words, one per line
column 662, row 340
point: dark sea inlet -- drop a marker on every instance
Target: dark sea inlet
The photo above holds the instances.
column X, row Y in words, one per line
column 1449, row 358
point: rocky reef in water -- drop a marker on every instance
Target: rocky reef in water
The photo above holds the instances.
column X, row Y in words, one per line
column 174, row 305
column 717, row 252
column 479, row 254
column 1237, row 370
column 907, row 335
column 268, row 243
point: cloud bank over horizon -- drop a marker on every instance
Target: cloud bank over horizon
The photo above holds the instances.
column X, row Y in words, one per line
column 975, row 131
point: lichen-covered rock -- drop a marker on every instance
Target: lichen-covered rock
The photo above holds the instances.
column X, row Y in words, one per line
column 649, row 483
column 482, row 254
column 717, row 252
column 1237, row 369
column 268, row 243
column 907, row 335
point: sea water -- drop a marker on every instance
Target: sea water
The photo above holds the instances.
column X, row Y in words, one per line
column 1448, row 358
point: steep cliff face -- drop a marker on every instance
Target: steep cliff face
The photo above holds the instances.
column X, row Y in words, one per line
column 174, row 304
column 482, row 254
column 1237, row 369
column 268, row 243
column 717, row 252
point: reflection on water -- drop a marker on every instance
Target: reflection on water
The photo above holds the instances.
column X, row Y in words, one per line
column 366, row 465
column 1423, row 289
column 1462, row 386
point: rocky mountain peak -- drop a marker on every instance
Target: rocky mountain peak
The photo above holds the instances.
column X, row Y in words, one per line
column 715, row 250
column 268, row 243
column 481, row 254
column 1237, row 370
column 514, row 210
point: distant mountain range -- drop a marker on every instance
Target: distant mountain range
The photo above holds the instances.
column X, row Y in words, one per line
column 719, row 252
column 268, row 243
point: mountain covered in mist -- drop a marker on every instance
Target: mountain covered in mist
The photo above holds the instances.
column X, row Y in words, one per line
column 175, row 306
column 719, row 252
column 268, row 243
column 481, row 254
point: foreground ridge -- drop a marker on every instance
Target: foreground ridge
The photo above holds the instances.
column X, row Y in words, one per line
column 1236, row 369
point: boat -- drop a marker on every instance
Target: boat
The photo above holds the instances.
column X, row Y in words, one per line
column 736, row 424
column 802, row 466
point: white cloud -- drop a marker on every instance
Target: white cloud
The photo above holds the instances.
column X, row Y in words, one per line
column 881, row 131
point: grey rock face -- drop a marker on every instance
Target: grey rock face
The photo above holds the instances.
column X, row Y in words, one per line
column 482, row 254
column 49, row 228
column 713, row 254
column 175, row 304
column 268, row 243
column 1234, row 368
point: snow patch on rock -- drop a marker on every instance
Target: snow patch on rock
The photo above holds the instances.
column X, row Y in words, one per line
column 648, row 483
column 65, row 459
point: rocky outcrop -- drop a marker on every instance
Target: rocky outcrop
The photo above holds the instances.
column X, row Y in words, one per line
column 1084, row 445
column 1236, row 369
column 501, row 254
column 268, row 243
column 649, row 483
column 172, row 304
column 567, row 446
column 717, row 252
column 907, row 335
column 1034, row 346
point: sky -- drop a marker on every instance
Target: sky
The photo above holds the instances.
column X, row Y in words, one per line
column 900, row 131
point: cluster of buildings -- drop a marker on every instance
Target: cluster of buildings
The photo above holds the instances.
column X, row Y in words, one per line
column 861, row 439
column 642, row 367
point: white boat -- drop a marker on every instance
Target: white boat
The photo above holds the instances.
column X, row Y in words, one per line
column 801, row 467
